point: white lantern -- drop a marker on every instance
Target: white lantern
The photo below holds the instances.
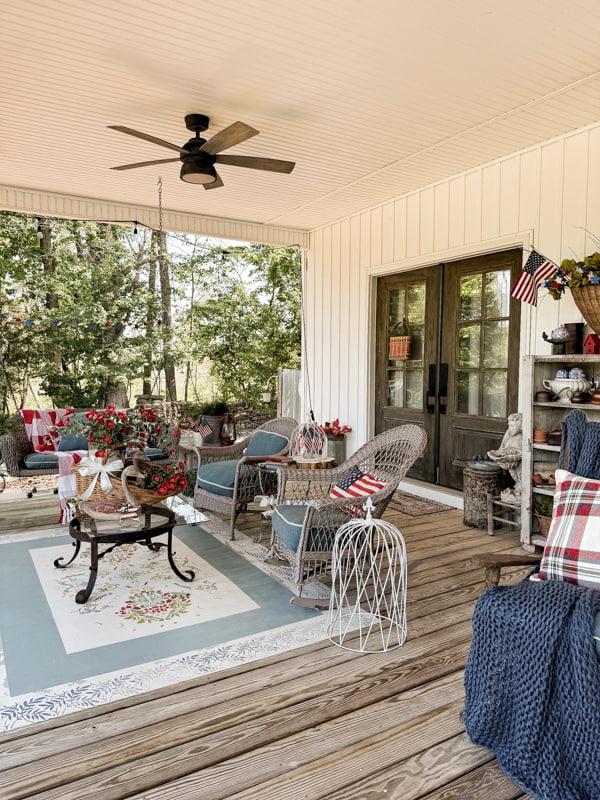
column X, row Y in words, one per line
column 367, row 610
column 309, row 442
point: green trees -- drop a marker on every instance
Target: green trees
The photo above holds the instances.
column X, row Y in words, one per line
column 246, row 318
column 99, row 308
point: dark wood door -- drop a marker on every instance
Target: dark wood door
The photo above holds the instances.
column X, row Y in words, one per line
column 405, row 389
column 460, row 381
column 480, row 345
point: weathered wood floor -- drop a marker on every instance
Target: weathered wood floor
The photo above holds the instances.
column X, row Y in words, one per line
column 318, row 722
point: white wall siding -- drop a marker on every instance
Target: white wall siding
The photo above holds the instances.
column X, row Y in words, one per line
column 545, row 197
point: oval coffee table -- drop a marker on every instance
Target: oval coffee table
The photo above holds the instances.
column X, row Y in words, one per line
column 154, row 521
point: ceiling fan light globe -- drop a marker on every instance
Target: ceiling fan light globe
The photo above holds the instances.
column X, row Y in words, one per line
column 192, row 173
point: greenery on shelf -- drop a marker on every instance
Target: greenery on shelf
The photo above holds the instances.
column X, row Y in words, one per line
column 544, row 505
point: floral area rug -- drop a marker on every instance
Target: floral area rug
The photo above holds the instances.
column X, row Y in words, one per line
column 416, row 506
column 142, row 628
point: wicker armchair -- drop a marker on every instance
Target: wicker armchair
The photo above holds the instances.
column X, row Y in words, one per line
column 14, row 447
column 306, row 518
column 229, row 477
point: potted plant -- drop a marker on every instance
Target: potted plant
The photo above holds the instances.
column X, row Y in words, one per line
column 212, row 413
column 542, row 510
column 583, row 279
column 336, row 439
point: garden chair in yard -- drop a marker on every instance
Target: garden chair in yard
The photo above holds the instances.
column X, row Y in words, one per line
column 313, row 504
column 229, row 478
column 532, row 682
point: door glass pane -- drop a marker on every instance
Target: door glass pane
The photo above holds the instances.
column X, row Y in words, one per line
column 467, row 392
column 469, row 337
column 395, row 388
column 414, row 389
column 415, row 304
column 495, row 344
column 469, row 300
column 416, row 346
column 397, row 298
column 494, row 394
column 496, row 293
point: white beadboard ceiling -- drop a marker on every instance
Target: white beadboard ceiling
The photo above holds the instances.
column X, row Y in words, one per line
column 371, row 100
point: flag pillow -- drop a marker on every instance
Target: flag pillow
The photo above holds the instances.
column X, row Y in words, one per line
column 355, row 483
column 572, row 552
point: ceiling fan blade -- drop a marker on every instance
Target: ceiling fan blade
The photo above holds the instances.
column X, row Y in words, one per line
column 215, row 184
column 233, row 134
column 147, row 163
column 147, row 137
column 270, row 164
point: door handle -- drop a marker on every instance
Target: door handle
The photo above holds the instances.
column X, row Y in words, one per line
column 430, row 396
column 443, row 388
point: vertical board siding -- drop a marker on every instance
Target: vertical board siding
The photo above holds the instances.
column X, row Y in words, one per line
column 549, row 191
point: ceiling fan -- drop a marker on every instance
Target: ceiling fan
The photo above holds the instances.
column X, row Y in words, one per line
column 198, row 155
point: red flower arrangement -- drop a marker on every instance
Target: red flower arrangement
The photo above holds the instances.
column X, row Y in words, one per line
column 335, row 429
column 108, row 428
column 164, row 480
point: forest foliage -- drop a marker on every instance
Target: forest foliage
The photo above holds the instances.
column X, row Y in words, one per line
column 88, row 309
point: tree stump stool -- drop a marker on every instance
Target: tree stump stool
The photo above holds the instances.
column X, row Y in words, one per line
column 477, row 484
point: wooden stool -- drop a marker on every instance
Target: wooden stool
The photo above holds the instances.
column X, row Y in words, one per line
column 494, row 503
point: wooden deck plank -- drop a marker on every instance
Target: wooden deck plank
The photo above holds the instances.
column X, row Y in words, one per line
column 316, row 722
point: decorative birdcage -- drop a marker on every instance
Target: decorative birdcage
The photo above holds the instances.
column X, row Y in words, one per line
column 367, row 610
column 308, row 442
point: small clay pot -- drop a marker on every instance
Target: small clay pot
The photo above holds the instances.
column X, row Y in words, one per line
column 543, row 397
column 579, row 397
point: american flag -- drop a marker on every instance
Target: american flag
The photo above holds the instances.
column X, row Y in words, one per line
column 200, row 426
column 203, row 428
column 537, row 269
column 356, row 483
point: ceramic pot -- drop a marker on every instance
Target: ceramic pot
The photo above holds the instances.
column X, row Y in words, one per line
column 563, row 388
column 543, row 397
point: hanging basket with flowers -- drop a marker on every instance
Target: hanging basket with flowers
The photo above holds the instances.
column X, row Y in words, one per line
column 583, row 279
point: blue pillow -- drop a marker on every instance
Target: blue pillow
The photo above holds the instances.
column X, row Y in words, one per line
column 72, row 441
column 266, row 443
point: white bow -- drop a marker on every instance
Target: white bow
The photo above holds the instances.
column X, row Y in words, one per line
column 94, row 466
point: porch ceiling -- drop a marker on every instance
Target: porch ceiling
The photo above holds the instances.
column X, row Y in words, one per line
column 371, row 100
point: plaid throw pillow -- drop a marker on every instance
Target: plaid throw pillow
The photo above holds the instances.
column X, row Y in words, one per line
column 572, row 552
column 355, row 483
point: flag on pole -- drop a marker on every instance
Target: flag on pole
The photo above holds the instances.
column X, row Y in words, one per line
column 204, row 429
column 536, row 270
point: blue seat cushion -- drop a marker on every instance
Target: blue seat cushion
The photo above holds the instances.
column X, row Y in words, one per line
column 218, row 477
column 72, row 441
column 154, row 453
column 287, row 525
column 40, row 461
column 597, row 634
column 266, row 443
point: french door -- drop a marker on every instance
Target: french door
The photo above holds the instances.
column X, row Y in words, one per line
column 460, row 380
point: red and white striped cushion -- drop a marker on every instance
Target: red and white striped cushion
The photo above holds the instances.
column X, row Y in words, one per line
column 356, row 483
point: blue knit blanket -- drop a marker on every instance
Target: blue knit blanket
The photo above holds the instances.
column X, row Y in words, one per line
column 532, row 686
column 581, row 443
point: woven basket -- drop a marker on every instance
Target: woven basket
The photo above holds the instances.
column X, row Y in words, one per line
column 142, row 496
column 399, row 348
column 400, row 345
column 587, row 300
column 544, row 523
column 83, row 482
